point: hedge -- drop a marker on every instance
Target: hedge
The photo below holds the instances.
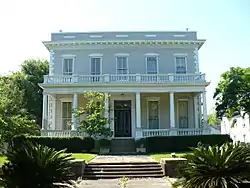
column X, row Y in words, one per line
column 181, row 143
column 72, row 144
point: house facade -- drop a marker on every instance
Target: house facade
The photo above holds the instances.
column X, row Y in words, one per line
column 151, row 81
column 237, row 127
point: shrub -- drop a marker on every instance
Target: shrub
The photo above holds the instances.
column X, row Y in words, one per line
column 105, row 143
column 225, row 166
column 72, row 144
column 36, row 166
column 181, row 143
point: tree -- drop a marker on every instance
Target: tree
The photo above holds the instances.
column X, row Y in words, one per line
column 94, row 122
column 232, row 94
column 213, row 120
column 14, row 119
column 32, row 72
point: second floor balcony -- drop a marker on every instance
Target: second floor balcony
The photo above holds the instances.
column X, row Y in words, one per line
column 124, row 79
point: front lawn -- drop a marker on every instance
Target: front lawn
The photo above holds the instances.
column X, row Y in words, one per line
column 86, row 156
column 158, row 156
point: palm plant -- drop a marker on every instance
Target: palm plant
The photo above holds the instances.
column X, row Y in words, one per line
column 225, row 166
column 36, row 166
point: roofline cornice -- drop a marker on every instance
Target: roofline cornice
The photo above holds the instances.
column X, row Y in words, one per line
column 54, row 44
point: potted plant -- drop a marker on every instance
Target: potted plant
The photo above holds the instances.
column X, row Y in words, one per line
column 140, row 145
column 105, row 146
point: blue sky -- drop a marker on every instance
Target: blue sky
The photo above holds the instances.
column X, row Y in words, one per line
column 224, row 23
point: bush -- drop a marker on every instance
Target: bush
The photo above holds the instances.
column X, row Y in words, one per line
column 181, row 143
column 105, row 143
column 225, row 166
column 72, row 144
column 36, row 166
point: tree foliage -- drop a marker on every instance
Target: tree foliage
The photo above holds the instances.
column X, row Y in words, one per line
column 225, row 166
column 213, row 120
column 94, row 122
column 232, row 94
column 21, row 100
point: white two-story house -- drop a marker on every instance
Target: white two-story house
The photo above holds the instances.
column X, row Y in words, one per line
column 151, row 79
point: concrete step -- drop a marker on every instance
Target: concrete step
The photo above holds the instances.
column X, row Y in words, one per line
column 124, row 169
column 93, row 176
column 150, row 168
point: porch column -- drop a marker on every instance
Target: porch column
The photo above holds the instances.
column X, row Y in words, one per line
column 172, row 114
column 45, row 112
column 204, row 100
column 138, row 110
column 74, row 116
column 106, row 105
column 196, row 123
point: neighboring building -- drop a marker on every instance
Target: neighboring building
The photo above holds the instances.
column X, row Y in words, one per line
column 153, row 79
column 237, row 127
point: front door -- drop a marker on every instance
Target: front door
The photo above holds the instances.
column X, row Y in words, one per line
column 122, row 118
column 183, row 114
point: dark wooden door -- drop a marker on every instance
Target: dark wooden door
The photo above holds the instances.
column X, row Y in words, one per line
column 122, row 118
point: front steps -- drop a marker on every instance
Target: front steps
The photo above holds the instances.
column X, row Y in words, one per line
column 125, row 169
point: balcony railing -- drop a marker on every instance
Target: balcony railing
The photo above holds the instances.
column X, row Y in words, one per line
column 125, row 78
column 145, row 132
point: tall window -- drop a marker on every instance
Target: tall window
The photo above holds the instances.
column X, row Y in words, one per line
column 122, row 65
column 68, row 66
column 66, row 115
column 181, row 65
column 151, row 65
column 96, row 65
column 153, row 114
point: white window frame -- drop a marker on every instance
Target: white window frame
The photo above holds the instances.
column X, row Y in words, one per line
column 186, row 61
column 153, row 99
column 68, row 56
column 122, row 55
column 63, row 100
column 157, row 61
column 95, row 55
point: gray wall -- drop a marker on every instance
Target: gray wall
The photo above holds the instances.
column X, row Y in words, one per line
column 136, row 59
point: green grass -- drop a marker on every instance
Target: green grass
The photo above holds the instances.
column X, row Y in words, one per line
column 158, row 156
column 86, row 156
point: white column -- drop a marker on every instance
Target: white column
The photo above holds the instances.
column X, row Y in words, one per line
column 106, row 105
column 196, row 121
column 138, row 110
column 204, row 100
column 45, row 112
column 75, row 107
column 172, row 114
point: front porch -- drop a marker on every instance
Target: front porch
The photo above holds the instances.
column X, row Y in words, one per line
column 133, row 115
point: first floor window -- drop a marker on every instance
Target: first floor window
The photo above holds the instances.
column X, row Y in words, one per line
column 181, row 65
column 66, row 115
column 153, row 114
column 68, row 66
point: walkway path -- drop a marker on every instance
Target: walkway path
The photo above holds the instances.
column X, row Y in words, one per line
column 121, row 158
column 131, row 183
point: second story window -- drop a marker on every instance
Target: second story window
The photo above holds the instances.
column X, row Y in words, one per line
column 68, row 66
column 122, row 65
column 151, row 65
column 95, row 65
column 181, row 65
